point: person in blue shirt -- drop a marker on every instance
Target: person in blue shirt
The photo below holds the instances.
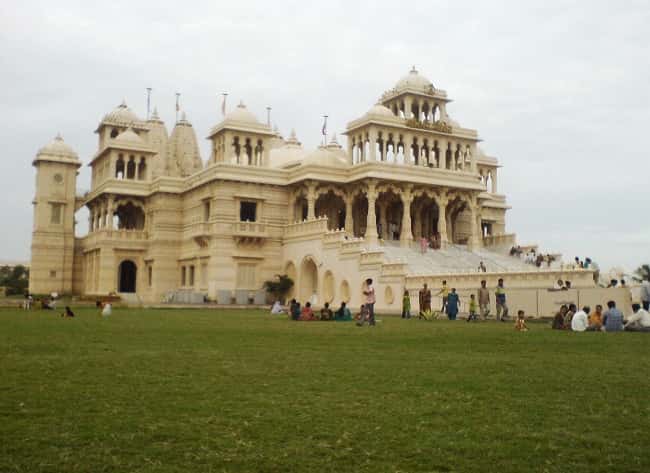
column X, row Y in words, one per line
column 612, row 318
column 453, row 301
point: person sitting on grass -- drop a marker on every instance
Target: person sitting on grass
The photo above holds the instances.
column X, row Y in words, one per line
column 68, row 312
column 639, row 321
column 277, row 308
column 343, row 314
column 472, row 309
column 406, row 305
column 307, row 313
column 596, row 320
column 294, row 310
column 362, row 316
column 558, row 320
column 580, row 320
column 453, row 303
column 520, row 323
column 107, row 309
column 568, row 317
column 613, row 318
column 326, row 312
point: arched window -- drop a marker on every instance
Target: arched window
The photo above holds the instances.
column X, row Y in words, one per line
column 119, row 167
column 248, row 150
column 114, row 132
column 130, row 168
column 142, row 169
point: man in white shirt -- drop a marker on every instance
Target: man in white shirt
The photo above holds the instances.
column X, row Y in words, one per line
column 580, row 320
column 639, row 321
column 645, row 294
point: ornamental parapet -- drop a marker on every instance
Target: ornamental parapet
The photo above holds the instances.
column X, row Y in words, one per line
column 371, row 257
column 114, row 236
column 316, row 226
column 506, row 239
column 439, row 126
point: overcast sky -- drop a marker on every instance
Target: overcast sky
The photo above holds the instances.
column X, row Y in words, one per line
column 559, row 91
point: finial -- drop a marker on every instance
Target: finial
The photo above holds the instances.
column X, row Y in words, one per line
column 183, row 116
column 333, row 140
column 58, row 137
column 241, row 104
column 154, row 115
column 293, row 134
column 123, row 104
column 414, row 70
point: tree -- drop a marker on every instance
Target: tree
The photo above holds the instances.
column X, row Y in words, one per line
column 14, row 279
column 643, row 272
column 279, row 286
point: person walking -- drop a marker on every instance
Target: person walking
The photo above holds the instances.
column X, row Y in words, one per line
column 500, row 296
column 369, row 292
column 406, row 305
column 425, row 299
column 484, row 300
column 453, row 302
column 444, row 292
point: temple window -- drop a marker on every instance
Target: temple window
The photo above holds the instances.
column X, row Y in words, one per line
column 206, row 210
column 142, row 169
column 130, row 217
column 119, row 167
column 114, row 133
column 191, row 276
column 56, row 213
column 130, row 168
column 247, row 211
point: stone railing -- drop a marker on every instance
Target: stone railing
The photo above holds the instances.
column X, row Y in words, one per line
column 306, row 228
column 352, row 245
column 249, row 229
column 109, row 234
column 334, row 237
column 505, row 239
column 199, row 229
column 396, row 268
column 371, row 257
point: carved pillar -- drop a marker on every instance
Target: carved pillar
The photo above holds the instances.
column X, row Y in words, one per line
column 442, row 155
column 311, row 201
column 291, row 217
column 383, row 221
column 406, row 236
column 371, row 219
column 473, row 243
column 494, row 181
column 349, row 222
column 442, row 219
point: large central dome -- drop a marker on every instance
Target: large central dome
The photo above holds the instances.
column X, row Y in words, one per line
column 413, row 80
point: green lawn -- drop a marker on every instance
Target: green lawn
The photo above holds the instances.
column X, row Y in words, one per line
column 213, row 391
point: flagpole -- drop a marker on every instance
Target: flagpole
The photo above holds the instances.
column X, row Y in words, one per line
column 325, row 131
column 223, row 104
column 268, row 116
column 177, row 105
column 148, row 101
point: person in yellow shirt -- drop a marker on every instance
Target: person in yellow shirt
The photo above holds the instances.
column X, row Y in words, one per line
column 472, row 308
column 596, row 319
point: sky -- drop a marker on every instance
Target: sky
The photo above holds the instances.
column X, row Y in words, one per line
column 558, row 90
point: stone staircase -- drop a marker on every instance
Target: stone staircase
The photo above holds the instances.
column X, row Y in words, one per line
column 454, row 259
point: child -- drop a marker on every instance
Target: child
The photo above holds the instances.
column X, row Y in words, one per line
column 68, row 312
column 406, row 305
column 520, row 324
column 362, row 315
column 307, row 313
column 326, row 312
column 472, row 309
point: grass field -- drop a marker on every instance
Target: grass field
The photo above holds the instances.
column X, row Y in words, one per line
column 213, row 391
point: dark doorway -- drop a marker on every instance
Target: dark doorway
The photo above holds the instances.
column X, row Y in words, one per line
column 127, row 276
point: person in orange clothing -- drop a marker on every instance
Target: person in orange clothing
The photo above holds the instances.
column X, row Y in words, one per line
column 596, row 319
column 307, row 312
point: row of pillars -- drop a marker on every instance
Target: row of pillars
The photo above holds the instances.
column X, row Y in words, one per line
column 406, row 196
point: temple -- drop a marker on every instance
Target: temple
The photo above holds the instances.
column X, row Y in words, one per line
column 166, row 225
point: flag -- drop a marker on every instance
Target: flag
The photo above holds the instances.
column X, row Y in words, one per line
column 223, row 105
column 324, row 130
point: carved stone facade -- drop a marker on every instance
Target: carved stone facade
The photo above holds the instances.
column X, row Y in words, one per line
column 161, row 221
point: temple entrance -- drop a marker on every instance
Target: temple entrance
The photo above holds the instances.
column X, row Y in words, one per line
column 308, row 280
column 332, row 206
column 425, row 221
column 127, row 273
column 389, row 216
column 459, row 226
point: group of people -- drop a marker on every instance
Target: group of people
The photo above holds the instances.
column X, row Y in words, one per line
column 531, row 256
column 451, row 302
column 433, row 242
column 612, row 320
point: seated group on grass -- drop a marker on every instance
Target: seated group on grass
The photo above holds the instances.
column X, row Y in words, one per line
column 306, row 313
column 612, row 320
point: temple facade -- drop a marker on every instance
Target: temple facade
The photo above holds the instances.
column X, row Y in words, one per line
column 166, row 225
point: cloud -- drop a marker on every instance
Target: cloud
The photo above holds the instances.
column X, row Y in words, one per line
column 557, row 90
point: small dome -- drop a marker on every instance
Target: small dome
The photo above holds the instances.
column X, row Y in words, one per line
column 57, row 147
column 413, row 80
column 128, row 137
column 380, row 110
column 324, row 156
column 122, row 115
column 241, row 115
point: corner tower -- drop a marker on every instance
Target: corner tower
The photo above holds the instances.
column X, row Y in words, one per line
column 54, row 207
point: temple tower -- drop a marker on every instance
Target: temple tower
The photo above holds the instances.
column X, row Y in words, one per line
column 54, row 207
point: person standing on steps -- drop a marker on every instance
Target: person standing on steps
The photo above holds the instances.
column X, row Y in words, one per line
column 500, row 296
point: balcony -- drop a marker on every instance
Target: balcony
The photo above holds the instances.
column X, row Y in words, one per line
column 135, row 239
column 249, row 232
